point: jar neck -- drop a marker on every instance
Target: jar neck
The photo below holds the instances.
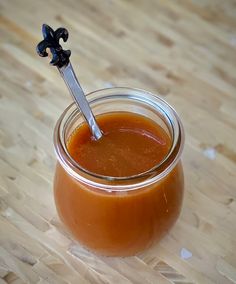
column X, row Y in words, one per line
column 107, row 100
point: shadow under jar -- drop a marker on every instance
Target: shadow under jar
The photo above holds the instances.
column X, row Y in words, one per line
column 119, row 216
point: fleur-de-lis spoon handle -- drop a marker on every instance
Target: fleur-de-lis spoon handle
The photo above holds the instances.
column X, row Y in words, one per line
column 60, row 58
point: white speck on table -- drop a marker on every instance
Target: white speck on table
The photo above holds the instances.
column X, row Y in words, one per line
column 185, row 253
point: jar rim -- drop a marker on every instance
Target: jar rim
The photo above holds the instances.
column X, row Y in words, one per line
column 72, row 167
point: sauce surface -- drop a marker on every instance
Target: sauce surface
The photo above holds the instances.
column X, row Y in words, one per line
column 131, row 144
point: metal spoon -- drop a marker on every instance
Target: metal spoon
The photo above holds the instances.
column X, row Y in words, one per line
column 60, row 58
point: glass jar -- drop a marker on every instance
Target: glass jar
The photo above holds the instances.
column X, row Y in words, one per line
column 119, row 216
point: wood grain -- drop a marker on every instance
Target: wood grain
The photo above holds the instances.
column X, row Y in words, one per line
column 184, row 50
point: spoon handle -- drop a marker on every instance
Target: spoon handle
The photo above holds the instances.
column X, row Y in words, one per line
column 60, row 58
column 68, row 74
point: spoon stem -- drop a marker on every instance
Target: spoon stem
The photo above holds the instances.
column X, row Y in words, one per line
column 68, row 74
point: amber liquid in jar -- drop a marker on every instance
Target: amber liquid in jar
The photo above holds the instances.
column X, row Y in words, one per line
column 131, row 144
column 119, row 223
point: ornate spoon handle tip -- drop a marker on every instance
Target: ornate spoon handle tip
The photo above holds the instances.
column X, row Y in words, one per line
column 51, row 40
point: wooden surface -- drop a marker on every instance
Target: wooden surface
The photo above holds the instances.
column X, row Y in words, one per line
column 186, row 51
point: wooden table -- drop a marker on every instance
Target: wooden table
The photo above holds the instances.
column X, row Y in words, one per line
column 183, row 50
